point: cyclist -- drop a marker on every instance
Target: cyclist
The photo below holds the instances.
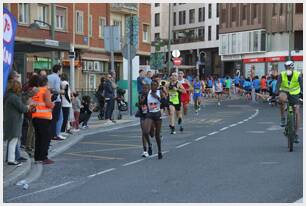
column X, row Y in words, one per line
column 198, row 87
column 289, row 86
column 174, row 90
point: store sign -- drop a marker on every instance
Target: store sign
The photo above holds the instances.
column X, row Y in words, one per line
column 276, row 59
column 51, row 42
column 297, row 58
column 9, row 32
column 254, row 60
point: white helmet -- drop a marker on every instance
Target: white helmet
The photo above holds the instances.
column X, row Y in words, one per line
column 289, row 64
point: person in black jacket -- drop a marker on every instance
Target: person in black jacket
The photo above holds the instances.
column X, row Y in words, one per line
column 101, row 98
column 85, row 111
column 109, row 95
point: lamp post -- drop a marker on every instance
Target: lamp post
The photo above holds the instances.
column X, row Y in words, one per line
column 169, row 39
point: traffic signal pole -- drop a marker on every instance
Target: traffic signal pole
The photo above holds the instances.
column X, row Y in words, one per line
column 130, row 69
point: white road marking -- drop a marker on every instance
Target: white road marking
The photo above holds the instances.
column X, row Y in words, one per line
column 39, row 191
column 256, row 132
column 102, row 172
column 233, row 125
column 224, row 128
column 269, row 163
column 212, row 133
column 183, row 145
column 240, row 122
column 134, row 162
column 200, row 138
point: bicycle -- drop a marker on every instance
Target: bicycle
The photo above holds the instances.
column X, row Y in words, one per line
column 289, row 131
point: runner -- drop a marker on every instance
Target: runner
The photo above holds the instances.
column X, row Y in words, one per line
column 142, row 114
column 219, row 90
column 174, row 90
column 228, row 85
column 197, row 93
column 153, row 117
column 185, row 97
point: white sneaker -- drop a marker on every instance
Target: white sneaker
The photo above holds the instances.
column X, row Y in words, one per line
column 61, row 136
column 108, row 122
column 145, row 154
column 76, row 130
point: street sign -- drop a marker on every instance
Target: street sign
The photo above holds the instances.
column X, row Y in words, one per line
column 71, row 55
column 112, row 38
column 156, row 60
column 176, row 53
column 177, row 61
column 51, row 42
column 132, row 29
column 124, row 51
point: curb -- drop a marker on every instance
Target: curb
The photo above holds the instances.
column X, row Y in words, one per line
column 17, row 174
column 34, row 171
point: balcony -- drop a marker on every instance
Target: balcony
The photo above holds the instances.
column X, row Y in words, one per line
column 187, row 40
column 130, row 8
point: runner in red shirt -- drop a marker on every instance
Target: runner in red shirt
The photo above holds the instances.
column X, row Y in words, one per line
column 185, row 97
column 263, row 85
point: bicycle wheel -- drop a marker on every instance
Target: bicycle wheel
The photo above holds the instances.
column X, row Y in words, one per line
column 290, row 127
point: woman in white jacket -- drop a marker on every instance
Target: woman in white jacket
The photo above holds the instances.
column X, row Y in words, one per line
column 66, row 101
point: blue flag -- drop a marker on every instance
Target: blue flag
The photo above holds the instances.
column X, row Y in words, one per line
column 9, row 32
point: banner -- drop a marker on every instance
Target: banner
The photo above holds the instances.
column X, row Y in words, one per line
column 9, row 32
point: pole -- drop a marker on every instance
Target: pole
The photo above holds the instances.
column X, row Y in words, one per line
column 52, row 32
column 169, row 40
column 197, row 64
column 115, row 113
column 72, row 79
column 290, row 28
column 130, row 108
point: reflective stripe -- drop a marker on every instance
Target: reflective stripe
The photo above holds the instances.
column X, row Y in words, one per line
column 43, row 110
column 39, row 103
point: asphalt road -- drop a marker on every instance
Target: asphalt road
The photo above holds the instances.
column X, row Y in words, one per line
column 236, row 153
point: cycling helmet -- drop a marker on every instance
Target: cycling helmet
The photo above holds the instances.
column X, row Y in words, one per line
column 289, row 64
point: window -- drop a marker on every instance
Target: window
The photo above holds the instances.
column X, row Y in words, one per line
column 256, row 41
column 97, row 66
column 182, row 17
column 298, row 8
column 79, row 22
column 156, row 36
column 244, row 11
column 60, row 22
column 191, row 16
column 146, row 36
column 209, row 11
column 24, row 13
column 217, row 10
column 201, row 33
column 281, row 12
column 115, row 23
column 90, row 65
column 274, row 9
column 254, row 11
column 233, row 14
column 174, row 19
column 43, row 14
column 92, row 81
column 157, row 19
column 233, row 43
column 156, row 5
column 217, row 32
column 201, row 14
column 102, row 23
column 90, row 25
column 209, row 33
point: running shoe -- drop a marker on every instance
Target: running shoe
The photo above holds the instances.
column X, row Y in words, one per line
column 160, row 155
column 296, row 139
column 16, row 163
column 145, row 154
column 219, row 104
column 283, row 122
column 150, row 151
column 181, row 129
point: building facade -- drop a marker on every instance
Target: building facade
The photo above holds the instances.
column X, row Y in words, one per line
column 262, row 35
column 81, row 25
column 193, row 30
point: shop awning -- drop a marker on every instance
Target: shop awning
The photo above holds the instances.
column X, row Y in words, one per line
column 40, row 46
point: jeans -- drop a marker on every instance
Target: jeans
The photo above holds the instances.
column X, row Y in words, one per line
column 59, row 123
column 55, row 117
column 109, row 108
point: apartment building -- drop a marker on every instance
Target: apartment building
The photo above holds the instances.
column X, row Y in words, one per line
column 82, row 25
column 258, row 34
column 193, row 30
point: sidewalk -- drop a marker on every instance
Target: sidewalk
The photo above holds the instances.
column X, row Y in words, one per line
column 13, row 174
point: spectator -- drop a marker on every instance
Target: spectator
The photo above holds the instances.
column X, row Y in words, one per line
column 76, row 106
column 85, row 111
column 100, row 97
column 148, row 78
column 140, row 81
column 109, row 94
column 54, row 83
column 13, row 118
column 66, row 101
column 42, row 73
column 42, row 122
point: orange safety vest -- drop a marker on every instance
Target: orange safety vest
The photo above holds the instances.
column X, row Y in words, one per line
column 42, row 111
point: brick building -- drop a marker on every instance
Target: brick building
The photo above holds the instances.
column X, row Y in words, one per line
column 80, row 24
column 260, row 35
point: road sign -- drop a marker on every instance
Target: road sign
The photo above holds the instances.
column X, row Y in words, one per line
column 132, row 29
column 176, row 53
column 71, row 55
column 112, row 38
column 156, row 60
column 124, row 51
column 177, row 61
